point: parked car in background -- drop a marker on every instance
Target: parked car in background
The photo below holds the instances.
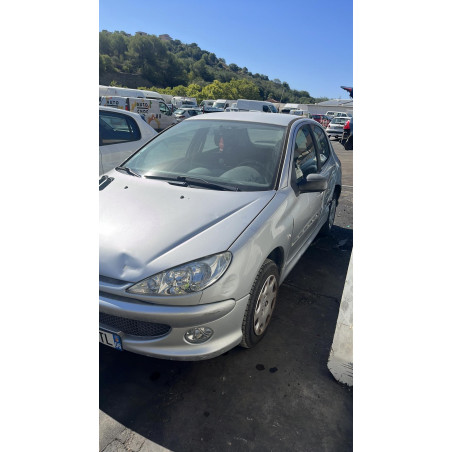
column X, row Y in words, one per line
column 321, row 119
column 347, row 135
column 336, row 127
column 218, row 211
column 121, row 133
column 341, row 114
column 184, row 113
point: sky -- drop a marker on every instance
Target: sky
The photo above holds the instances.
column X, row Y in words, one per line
column 306, row 43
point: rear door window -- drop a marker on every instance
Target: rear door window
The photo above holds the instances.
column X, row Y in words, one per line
column 117, row 128
column 322, row 144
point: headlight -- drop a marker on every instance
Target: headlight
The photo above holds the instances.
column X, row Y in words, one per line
column 188, row 278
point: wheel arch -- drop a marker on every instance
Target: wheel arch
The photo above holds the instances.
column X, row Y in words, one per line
column 277, row 256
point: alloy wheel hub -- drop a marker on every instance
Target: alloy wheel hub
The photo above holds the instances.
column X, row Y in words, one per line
column 265, row 305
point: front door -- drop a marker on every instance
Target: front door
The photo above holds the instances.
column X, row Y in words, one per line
column 306, row 207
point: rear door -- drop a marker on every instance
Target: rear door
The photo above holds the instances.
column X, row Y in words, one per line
column 326, row 167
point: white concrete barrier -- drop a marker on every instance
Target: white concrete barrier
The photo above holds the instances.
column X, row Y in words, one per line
column 340, row 362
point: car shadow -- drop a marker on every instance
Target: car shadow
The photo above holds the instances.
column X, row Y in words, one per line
column 247, row 399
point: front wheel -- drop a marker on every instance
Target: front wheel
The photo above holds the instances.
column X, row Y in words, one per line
column 260, row 304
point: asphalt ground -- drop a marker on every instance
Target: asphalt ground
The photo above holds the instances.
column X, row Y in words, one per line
column 277, row 396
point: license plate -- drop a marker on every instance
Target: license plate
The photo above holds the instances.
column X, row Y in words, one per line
column 110, row 339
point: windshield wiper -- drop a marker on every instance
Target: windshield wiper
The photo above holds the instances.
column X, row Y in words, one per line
column 185, row 181
column 204, row 183
column 127, row 170
column 169, row 179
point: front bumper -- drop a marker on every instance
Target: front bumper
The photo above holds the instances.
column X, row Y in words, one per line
column 224, row 318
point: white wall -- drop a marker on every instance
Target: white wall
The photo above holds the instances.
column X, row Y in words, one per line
column 340, row 362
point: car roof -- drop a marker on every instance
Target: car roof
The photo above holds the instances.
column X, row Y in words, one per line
column 251, row 116
column 119, row 110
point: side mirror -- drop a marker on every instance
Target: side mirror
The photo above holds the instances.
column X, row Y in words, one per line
column 313, row 183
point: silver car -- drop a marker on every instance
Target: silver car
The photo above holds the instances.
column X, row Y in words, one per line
column 336, row 127
column 199, row 228
column 186, row 112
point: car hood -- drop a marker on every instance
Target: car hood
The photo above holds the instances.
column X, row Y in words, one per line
column 147, row 226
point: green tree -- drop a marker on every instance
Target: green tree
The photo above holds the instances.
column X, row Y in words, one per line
column 193, row 90
column 104, row 42
column 105, row 64
column 213, row 91
column 179, row 91
column 118, row 44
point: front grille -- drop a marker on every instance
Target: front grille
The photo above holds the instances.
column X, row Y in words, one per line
column 133, row 327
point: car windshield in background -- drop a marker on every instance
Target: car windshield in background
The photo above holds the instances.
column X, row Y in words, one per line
column 243, row 155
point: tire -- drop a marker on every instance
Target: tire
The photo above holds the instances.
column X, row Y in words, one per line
column 261, row 304
column 348, row 145
column 326, row 228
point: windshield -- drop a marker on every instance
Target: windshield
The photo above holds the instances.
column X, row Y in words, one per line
column 219, row 104
column 243, row 155
column 341, row 121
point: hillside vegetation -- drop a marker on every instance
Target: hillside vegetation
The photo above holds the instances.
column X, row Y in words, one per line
column 168, row 66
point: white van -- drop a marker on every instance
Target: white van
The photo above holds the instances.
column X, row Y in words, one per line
column 222, row 104
column 154, row 111
column 289, row 107
column 206, row 105
column 184, row 102
column 129, row 92
column 255, row 105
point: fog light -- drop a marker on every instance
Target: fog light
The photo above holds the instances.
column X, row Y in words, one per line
column 198, row 335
